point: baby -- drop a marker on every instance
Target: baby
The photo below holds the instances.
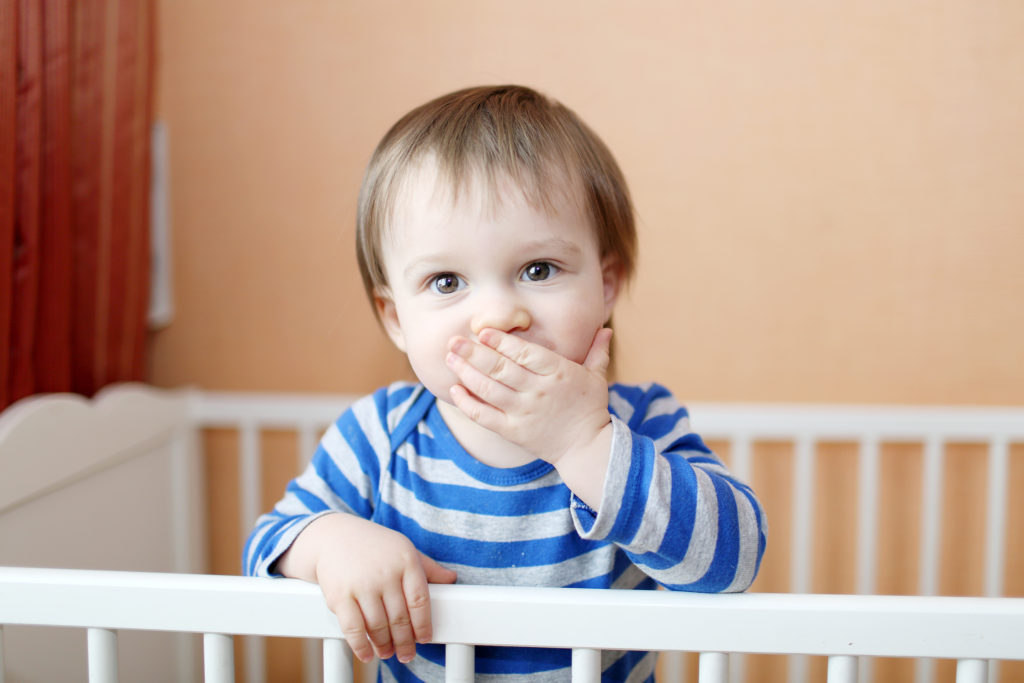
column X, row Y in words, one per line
column 494, row 234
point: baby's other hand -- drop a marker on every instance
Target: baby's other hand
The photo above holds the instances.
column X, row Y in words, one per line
column 531, row 395
column 375, row 582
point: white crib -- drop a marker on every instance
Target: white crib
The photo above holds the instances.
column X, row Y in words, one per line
column 69, row 467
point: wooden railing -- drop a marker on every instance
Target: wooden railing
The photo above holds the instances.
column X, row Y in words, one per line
column 841, row 627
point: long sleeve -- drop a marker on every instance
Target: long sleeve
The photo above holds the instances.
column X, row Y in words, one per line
column 341, row 477
column 670, row 503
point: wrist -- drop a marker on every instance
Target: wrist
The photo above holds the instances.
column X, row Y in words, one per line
column 583, row 467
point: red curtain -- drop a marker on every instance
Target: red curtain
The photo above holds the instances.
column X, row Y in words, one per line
column 76, row 84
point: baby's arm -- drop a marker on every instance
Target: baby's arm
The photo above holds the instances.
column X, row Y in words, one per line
column 372, row 578
column 647, row 482
column 320, row 531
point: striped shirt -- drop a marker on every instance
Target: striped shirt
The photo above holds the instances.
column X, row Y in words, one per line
column 671, row 514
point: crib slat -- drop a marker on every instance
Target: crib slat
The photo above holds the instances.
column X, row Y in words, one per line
column 971, row 671
column 250, row 478
column 313, row 661
column 842, row 669
column 459, row 663
column 714, row 667
column 218, row 658
column 803, row 515
column 102, row 655
column 586, row 665
column 931, row 521
column 931, row 517
column 337, row 661
column 1, row 653
column 672, row 665
column 307, row 445
column 995, row 526
column 867, row 514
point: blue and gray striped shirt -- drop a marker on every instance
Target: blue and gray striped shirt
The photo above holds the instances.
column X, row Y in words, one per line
column 671, row 514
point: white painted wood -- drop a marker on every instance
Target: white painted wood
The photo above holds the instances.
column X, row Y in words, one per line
column 369, row 671
column 971, row 671
column 218, row 658
column 931, row 517
column 931, row 529
column 713, row 421
column 338, row 661
column 714, row 668
column 868, row 469
column 893, row 423
column 915, row 626
column 672, row 666
column 314, row 661
column 459, row 663
column 995, row 524
column 250, row 477
column 741, row 456
column 586, row 665
column 867, row 514
column 842, row 669
column 71, row 463
column 122, row 422
column 803, row 514
column 308, row 438
column 273, row 411
column 737, row 667
column 102, row 648
column 803, row 518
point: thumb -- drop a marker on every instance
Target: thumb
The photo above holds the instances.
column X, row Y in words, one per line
column 599, row 356
column 436, row 573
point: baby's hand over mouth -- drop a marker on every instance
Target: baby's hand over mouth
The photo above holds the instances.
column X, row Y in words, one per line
column 531, row 395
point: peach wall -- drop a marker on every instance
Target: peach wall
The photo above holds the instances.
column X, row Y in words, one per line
column 831, row 197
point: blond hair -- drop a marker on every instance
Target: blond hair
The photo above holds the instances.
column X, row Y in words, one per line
column 490, row 133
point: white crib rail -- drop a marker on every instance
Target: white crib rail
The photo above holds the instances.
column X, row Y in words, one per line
column 842, row 627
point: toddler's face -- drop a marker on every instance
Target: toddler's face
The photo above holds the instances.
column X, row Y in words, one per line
column 457, row 269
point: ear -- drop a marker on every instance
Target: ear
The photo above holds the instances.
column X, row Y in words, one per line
column 388, row 315
column 612, row 277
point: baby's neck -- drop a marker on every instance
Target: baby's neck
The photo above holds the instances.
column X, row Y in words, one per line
column 480, row 442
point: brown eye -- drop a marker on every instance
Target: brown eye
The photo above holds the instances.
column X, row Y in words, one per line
column 539, row 271
column 446, row 283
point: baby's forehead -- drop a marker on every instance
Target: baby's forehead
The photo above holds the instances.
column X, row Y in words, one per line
column 429, row 185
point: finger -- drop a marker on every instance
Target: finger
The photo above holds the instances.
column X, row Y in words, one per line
column 403, row 641
column 417, row 599
column 533, row 357
column 435, row 572
column 490, row 362
column 599, row 355
column 378, row 628
column 483, row 387
column 353, row 628
column 476, row 410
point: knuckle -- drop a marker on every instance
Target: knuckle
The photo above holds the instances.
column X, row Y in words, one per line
column 353, row 634
column 401, row 621
column 499, row 368
column 380, row 637
column 418, row 600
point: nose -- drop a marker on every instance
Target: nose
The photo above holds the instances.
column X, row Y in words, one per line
column 501, row 314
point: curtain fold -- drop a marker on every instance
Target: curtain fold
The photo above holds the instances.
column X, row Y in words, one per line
column 76, row 84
